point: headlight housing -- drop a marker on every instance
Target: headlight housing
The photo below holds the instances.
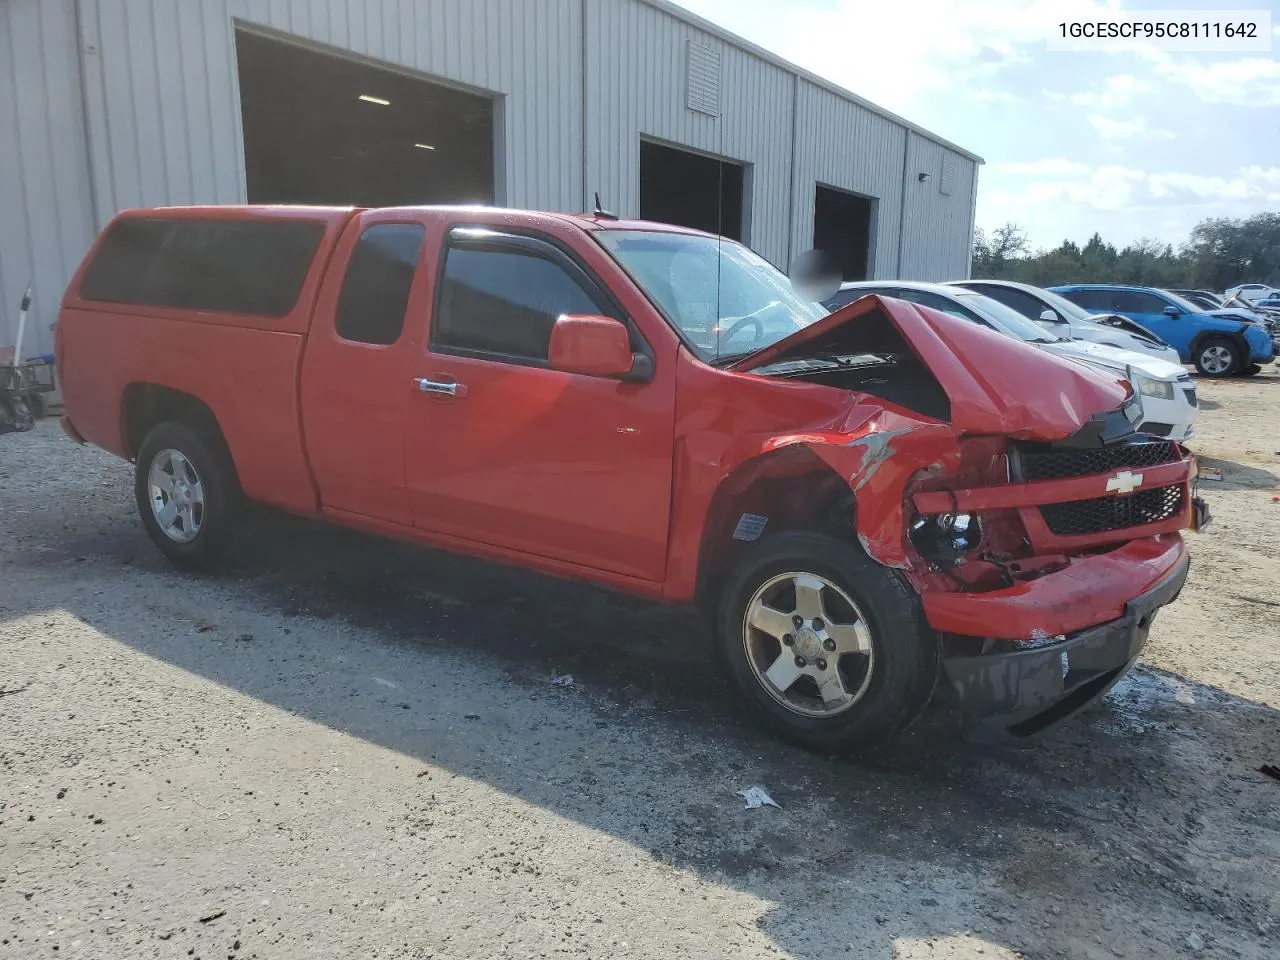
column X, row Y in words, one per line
column 1149, row 387
column 945, row 539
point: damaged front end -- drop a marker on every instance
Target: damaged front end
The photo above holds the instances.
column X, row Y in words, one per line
column 1041, row 535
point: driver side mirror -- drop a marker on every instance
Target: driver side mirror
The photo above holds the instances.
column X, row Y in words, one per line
column 1048, row 316
column 1171, row 311
column 596, row 347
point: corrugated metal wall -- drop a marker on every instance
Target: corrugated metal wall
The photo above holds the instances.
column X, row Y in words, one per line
column 164, row 102
column 636, row 64
column 844, row 145
column 937, row 229
column 45, row 210
column 142, row 109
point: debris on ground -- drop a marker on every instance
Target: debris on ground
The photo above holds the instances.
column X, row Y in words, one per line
column 756, row 797
column 213, row 916
column 1271, row 770
column 562, row 680
column 1207, row 473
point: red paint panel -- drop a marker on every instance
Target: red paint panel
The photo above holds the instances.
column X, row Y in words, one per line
column 565, row 467
column 592, row 346
column 248, row 378
column 995, row 384
column 1092, row 590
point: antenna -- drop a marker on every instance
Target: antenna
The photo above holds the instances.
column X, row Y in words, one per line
column 601, row 212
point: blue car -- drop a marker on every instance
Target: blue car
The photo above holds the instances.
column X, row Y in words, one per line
column 1221, row 343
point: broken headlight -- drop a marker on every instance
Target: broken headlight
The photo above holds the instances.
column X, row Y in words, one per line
column 944, row 539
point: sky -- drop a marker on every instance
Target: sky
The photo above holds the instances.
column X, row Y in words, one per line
column 1133, row 144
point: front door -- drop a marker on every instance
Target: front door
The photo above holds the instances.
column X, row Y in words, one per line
column 1147, row 309
column 502, row 450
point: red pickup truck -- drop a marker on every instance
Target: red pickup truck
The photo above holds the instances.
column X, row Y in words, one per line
column 865, row 502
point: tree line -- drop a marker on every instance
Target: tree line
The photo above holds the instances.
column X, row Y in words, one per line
column 1220, row 253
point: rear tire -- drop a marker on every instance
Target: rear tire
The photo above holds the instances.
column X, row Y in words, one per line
column 870, row 661
column 1218, row 357
column 1252, row 370
column 187, row 495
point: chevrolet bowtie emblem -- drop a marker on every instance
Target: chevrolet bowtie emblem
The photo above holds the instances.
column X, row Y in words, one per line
column 1124, row 482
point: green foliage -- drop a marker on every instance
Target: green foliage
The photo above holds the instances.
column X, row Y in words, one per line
column 1220, row 253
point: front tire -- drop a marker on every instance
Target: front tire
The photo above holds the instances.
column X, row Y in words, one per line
column 187, row 495
column 1252, row 370
column 825, row 646
column 1218, row 357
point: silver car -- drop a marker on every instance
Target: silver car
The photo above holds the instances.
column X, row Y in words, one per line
column 1064, row 319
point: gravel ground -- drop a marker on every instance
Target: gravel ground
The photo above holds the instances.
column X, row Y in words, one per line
column 345, row 747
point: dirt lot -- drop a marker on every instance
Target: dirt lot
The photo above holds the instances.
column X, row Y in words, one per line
column 349, row 748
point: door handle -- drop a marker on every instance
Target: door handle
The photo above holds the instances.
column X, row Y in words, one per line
column 441, row 388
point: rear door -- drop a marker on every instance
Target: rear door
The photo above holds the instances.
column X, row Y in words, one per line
column 503, row 450
column 357, row 363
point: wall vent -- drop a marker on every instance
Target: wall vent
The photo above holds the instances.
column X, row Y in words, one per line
column 702, row 69
column 947, row 183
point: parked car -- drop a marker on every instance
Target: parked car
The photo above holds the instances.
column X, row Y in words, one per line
column 882, row 495
column 1205, row 299
column 1065, row 319
column 1220, row 343
column 1252, row 291
column 1166, row 392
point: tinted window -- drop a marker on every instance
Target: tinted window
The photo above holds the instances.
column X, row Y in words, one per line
column 1131, row 301
column 375, row 290
column 504, row 301
column 232, row 266
column 1095, row 301
column 1024, row 303
column 845, row 297
column 939, row 303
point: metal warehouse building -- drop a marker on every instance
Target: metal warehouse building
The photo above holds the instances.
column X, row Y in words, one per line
column 108, row 104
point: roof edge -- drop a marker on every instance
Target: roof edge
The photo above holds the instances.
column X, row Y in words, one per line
column 691, row 18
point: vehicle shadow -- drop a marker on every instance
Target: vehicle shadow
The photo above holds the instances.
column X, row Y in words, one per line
column 1235, row 476
column 1118, row 813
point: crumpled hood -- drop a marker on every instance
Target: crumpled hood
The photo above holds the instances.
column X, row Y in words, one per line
column 996, row 384
column 1116, row 358
column 1235, row 313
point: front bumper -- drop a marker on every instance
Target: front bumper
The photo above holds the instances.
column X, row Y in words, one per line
column 1023, row 692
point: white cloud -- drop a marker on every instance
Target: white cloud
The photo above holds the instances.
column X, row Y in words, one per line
column 1115, row 92
column 1111, row 129
column 1115, row 188
column 892, row 53
column 1051, row 167
column 992, row 96
column 1246, row 82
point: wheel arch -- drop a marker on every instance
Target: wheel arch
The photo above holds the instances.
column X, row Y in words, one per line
column 791, row 488
column 146, row 405
column 1234, row 336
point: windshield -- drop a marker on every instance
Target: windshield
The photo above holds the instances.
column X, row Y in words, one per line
column 1185, row 305
column 725, row 300
column 1005, row 319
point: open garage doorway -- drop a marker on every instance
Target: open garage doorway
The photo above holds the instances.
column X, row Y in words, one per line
column 842, row 229
column 692, row 190
column 323, row 128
